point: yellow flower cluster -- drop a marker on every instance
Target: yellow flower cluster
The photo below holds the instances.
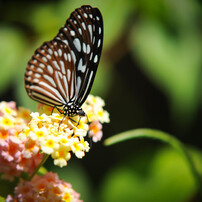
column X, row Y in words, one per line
column 61, row 136
column 93, row 107
column 58, row 136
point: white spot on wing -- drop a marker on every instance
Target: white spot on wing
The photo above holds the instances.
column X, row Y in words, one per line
column 60, row 52
column 62, row 67
column 44, row 59
column 83, row 25
column 65, row 56
column 66, row 42
column 95, row 59
column 56, row 65
column 50, row 51
column 49, row 79
column 84, row 47
column 69, row 57
column 80, row 31
column 41, row 65
column 36, row 80
column 66, row 87
column 100, row 30
column 77, row 44
column 88, row 49
column 81, row 67
column 85, row 15
column 98, row 43
column 39, row 70
column 48, row 56
column 72, row 33
column 37, row 75
column 73, row 56
column 91, row 55
column 50, row 69
column 90, row 31
column 55, row 53
column 78, row 83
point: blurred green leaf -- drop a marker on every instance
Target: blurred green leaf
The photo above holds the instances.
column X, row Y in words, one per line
column 115, row 16
column 2, row 199
column 42, row 171
column 174, row 64
column 166, row 178
column 161, row 136
column 103, row 80
column 6, row 187
column 44, row 20
column 12, row 46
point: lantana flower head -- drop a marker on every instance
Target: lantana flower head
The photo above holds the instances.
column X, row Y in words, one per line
column 44, row 188
column 61, row 136
column 16, row 155
column 57, row 136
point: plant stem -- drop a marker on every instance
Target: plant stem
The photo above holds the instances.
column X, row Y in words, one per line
column 164, row 137
column 45, row 157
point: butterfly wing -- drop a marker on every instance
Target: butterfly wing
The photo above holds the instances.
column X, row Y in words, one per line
column 83, row 33
column 50, row 76
column 63, row 70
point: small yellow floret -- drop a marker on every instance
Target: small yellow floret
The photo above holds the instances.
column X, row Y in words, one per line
column 67, row 197
column 50, row 143
column 7, row 122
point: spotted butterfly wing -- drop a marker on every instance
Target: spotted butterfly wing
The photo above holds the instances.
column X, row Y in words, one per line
column 61, row 72
column 83, row 32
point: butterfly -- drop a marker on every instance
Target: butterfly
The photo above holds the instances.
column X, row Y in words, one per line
column 61, row 71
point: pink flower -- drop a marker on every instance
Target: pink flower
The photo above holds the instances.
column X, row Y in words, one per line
column 95, row 131
column 13, row 160
column 44, row 188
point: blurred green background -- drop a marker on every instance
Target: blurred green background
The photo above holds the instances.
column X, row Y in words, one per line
column 152, row 67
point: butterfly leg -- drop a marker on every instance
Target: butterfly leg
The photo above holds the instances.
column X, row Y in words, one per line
column 73, row 120
column 61, row 122
column 53, row 109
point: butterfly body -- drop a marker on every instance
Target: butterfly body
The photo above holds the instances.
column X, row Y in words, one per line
column 71, row 109
column 61, row 72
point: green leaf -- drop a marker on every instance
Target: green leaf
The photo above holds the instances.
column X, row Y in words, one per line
column 6, row 187
column 169, row 63
column 163, row 137
column 42, row 171
column 2, row 199
column 12, row 46
column 115, row 16
column 162, row 176
column 100, row 85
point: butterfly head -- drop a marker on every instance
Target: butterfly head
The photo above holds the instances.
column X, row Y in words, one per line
column 72, row 109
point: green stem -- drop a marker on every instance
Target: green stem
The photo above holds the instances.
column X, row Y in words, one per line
column 45, row 157
column 162, row 136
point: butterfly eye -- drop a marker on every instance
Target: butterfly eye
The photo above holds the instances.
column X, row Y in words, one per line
column 61, row 72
